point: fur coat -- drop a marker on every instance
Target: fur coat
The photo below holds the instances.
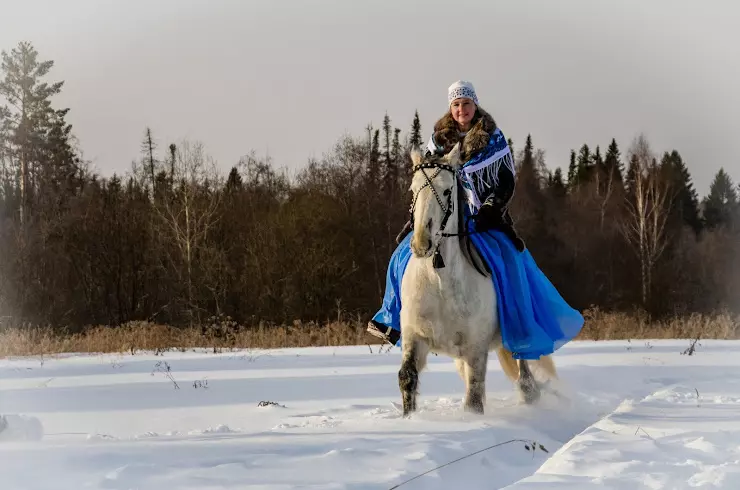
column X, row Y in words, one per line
column 494, row 211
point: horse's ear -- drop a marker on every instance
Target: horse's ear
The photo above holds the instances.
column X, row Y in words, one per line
column 415, row 156
column 453, row 157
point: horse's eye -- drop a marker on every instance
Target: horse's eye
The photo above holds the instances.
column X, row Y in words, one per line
column 447, row 192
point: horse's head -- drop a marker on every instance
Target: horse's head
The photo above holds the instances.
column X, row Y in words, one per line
column 434, row 187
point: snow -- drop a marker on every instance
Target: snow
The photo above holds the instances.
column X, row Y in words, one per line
column 630, row 415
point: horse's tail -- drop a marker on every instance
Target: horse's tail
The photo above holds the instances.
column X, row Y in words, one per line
column 548, row 365
column 508, row 363
column 511, row 367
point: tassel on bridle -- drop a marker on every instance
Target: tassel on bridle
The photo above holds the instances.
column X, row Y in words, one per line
column 438, row 262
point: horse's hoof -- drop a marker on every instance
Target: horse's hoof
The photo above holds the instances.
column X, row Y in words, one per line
column 532, row 397
column 408, row 409
column 531, row 393
column 475, row 410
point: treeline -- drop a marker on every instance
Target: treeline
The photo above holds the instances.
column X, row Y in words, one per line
column 176, row 242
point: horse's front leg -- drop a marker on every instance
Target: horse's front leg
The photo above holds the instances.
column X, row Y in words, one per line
column 415, row 352
column 527, row 384
column 475, row 372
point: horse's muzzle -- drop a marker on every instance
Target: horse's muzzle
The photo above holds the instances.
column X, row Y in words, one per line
column 421, row 244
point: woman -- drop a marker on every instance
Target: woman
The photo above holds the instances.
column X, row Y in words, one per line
column 534, row 318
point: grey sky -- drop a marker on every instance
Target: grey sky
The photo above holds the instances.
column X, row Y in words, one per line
column 289, row 77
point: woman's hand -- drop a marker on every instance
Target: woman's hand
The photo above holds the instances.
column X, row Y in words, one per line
column 488, row 217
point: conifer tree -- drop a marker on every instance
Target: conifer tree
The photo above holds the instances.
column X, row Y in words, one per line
column 396, row 157
column 373, row 163
column 28, row 117
column 59, row 165
column 234, row 180
column 148, row 146
column 529, row 205
column 597, row 160
column 528, row 155
column 584, row 165
column 375, row 151
column 572, row 171
column 597, row 172
column 630, row 180
column 389, row 170
column 529, row 175
column 173, row 153
column 557, row 185
column 387, row 136
column 415, row 140
column 720, row 205
column 613, row 165
column 396, row 147
column 685, row 208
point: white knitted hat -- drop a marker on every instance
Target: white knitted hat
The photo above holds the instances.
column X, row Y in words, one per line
column 459, row 89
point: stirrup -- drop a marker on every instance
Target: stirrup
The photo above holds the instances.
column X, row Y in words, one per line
column 383, row 332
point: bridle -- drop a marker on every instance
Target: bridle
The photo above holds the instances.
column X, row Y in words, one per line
column 447, row 207
column 439, row 167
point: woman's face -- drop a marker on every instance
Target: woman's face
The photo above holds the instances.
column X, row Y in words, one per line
column 463, row 111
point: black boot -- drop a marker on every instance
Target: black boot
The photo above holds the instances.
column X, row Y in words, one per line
column 514, row 237
column 383, row 332
column 508, row 228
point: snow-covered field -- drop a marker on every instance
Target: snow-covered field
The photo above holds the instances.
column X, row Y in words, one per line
column 637, row 416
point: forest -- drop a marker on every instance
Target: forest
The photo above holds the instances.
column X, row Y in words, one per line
column 178, row 242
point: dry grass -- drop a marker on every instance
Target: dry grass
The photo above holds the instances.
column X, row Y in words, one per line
column 143, row 336
column 619, row 326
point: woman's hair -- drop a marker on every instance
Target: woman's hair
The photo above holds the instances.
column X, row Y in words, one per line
column 476, row 116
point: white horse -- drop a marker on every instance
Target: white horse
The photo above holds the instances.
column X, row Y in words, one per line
column 448, row 306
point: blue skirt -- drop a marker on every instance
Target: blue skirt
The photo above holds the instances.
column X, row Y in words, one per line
column 534, row 318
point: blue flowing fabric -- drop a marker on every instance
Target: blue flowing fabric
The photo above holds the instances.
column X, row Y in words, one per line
column 534, row 318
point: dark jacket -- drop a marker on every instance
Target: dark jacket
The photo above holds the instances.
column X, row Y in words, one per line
column 493, row 186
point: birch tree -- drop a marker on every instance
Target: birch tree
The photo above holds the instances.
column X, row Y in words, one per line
column 648, row 201
column 188, row 214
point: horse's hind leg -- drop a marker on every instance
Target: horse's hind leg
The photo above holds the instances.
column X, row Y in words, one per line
column 527, row 384
column 414, row 359
column 475, row 372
